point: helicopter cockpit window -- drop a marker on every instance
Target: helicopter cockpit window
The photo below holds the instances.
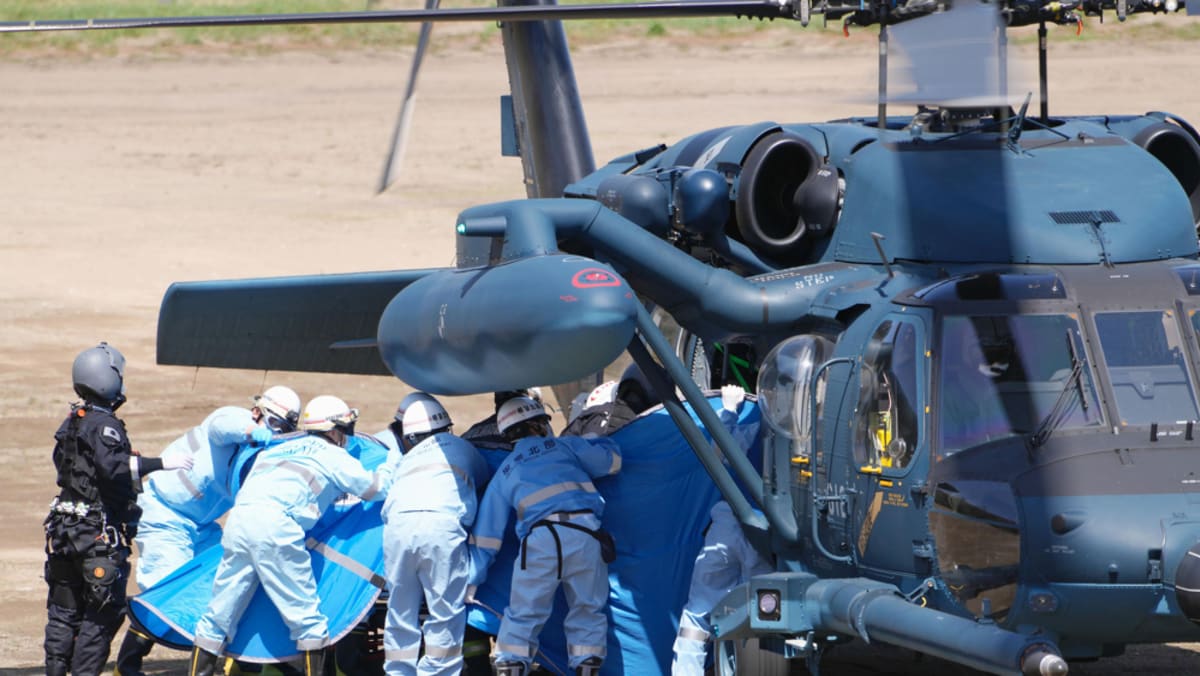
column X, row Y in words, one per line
column 1147, row 366
column 785, row 394
column 886, row 424
column 1005, row 374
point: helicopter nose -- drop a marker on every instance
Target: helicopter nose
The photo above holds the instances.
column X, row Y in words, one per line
column 1187, row 584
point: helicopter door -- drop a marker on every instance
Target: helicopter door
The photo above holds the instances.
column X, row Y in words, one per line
column 797, row 386
column 889, row 431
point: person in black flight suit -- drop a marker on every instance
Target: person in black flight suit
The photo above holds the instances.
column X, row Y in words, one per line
column 93, row 519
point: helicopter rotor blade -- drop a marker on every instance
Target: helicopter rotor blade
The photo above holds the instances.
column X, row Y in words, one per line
column 758, row 9
column 395, row 154
column 954, row 58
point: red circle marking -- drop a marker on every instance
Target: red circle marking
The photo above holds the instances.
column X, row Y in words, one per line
column 592, row 277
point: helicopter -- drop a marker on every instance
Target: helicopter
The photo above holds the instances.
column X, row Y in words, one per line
column 808, row 251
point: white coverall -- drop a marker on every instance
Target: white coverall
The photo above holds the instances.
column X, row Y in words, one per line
column 180, row 508
column 430, row 505
column 726, row 560
column 285, row 494
column 547, row 481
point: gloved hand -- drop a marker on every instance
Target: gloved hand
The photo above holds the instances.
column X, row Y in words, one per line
column 470, row 594
column 731, row 396
column 178, row 461
column 260, row 435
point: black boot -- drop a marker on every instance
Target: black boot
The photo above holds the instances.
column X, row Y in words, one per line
column 203, row 663
column 133, row 650
column 589, row 667
column 56, row 667
column 509, row 668
column 312, row 662
column 477, row 649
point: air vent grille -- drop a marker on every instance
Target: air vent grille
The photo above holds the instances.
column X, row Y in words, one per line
column 1084, row 217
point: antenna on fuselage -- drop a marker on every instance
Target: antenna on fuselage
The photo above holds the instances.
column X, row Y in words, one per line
column 883, row 61
column 878, row 238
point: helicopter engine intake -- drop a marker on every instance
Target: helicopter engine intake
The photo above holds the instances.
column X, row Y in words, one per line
column 1179, row 151
column 1187, row 584
column 787, row 196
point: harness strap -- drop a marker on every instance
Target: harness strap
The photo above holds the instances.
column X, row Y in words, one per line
column 557, row 543
column 558, row 519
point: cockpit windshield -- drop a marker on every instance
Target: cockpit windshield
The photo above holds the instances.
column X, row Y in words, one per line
column 1011, row 374
column 1147, row 365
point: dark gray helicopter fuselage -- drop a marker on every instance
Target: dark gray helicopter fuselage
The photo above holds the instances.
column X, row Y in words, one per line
column 1071, row 518
column 1057, row 266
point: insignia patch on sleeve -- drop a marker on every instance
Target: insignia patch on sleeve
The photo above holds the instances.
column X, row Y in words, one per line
column 112, row 434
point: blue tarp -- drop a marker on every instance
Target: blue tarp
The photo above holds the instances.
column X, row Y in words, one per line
column 656, row 508
column 348, row 569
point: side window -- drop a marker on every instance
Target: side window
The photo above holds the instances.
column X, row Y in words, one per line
column 887, row 418
column 711, row 364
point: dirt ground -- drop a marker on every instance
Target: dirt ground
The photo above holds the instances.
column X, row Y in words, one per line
column 121, row 175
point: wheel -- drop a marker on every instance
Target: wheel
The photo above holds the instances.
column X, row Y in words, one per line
column 753, row 660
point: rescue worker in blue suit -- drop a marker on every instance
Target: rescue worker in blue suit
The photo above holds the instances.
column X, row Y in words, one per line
column 548, row 482
column 726, row 560
column 180, row 509
column 93, row 519
column 392, row 436
column 286, row 493
column 430, row 506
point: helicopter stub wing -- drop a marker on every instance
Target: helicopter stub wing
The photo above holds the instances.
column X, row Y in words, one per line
column 311, row 323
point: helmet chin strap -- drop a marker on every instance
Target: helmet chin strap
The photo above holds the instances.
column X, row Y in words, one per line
column 335, row 436
column 276, row 423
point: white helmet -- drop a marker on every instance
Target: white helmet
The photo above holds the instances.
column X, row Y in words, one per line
column 408, row 401
column 326, row 412
column 281, row 402
column 518, row 410
column 604, row 393
column 425, row 416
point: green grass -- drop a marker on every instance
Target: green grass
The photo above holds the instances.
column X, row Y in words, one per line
column 395, row 36
column 240, row 38
column 1145, row 28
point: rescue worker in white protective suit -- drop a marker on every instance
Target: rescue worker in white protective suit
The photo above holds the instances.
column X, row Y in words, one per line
column 392, row 436
column 725, row 560
column 548, row 482
column 284, row 496
column 430, row 505
column 180, row 509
